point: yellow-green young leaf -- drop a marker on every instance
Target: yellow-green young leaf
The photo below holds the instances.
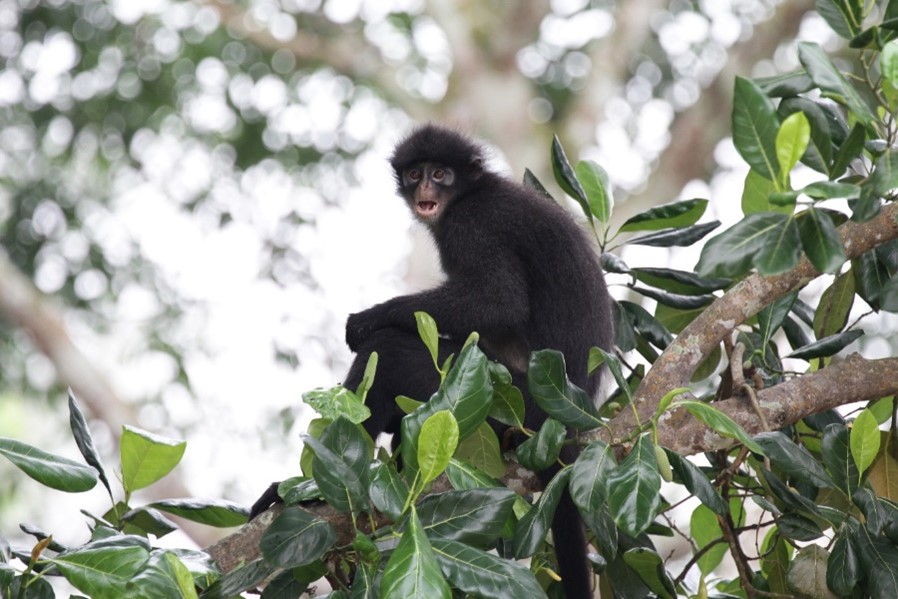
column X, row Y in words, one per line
column 427, row 329
column 436, row 444
column 888, row 62
column 367, row 377
column 864, row 440
column 791, row 142
column 705, row 529
column 147, row 457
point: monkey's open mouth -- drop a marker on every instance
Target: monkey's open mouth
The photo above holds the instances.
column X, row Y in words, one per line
column 426, row 208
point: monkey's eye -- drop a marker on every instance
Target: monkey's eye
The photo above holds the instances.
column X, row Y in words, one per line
column 439, row 174
column 414, row 175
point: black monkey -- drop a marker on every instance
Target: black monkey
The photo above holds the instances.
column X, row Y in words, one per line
column 519, row 271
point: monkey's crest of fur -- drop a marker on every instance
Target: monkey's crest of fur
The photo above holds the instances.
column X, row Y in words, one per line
column 439, row 145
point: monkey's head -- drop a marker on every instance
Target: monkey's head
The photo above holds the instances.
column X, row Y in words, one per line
column 434, row 166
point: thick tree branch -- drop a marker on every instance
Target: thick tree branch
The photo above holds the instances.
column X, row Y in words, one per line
column 676, row 365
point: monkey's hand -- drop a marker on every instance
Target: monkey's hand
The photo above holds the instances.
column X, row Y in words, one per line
column 359, row 327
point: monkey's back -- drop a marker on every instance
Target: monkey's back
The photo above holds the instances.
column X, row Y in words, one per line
column 518, row 231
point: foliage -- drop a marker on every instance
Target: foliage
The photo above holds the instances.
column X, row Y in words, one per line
column 818, row 496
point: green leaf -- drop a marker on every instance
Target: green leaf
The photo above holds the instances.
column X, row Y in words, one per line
column 241, row 579
column 798, row 528
column 771, row 318
column 532, row 529
column 212, row 512
column 102, row 569
column 436, row 444
column 835, row 306
column 827, row 346
column 530, row 180
column 819, row 154
column 697, row 483
column 851, row 148
column 566, row 179
column 831, row 82
column 820, row 241
column 719, row 422
column 589, row 474
column 793, row 459
column 843, row 569
column 675, row 237
column 388, row 490
column 731, row 253
column 705, row 529
column 474, row 517
column 412, row 571
column 340, row 402
column 676, row 215
column 755, row 124
column 542, row 449
column 885, row 174
column 50, row 470
column 649, row 566
column 649, row 327
column 888, row 62
column 164, row 575
column 634, row 497
column 427, row 330
column 296, row 538
column 844, row 16
column 782, row 249
column 836, row 456
column 792, row 141
column 597, row 187
column 339, row 484
column 787, row 85
column 365, row 384
column 147, row 457
column 85, row 441
column 756, row 194
column 865, row 440
column 598, row 356
column 677, row 281
column 481, row 449
column 298, row 489
column 556, row 395
column 830, row 190
column 482, row 574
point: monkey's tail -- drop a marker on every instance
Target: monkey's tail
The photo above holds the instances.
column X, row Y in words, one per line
column 569, row 538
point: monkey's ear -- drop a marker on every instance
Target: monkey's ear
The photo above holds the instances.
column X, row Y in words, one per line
column 475, row 165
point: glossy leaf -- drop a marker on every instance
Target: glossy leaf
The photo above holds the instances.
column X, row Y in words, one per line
column 830, row 190
column 474, row 517
column 556, row 395
column 820, row 241
column 865, row 440
column 436, row 444
column 85, row 440
column 339, row 484
column 163, row 576
column 888, row 62
column 597, row 187
column 212, row 512
column 697, row 483
column 844, row 16
column 675, row 237
column 793, row 459
column 649, row 566
column 885, row 173
column 782, row 249
column 647, row 325
column 427, row 330
column 786, row 85
column 835, row 306
column 337, row 402
column 634, row 497
column 296, row 538
column 719, row 422
column 678, row 281
column 828, row 78
column 531, row 530
column 731, row 253
column 827, row 346
column 878, row 557
column 843, row 569
column 819, row 153
column 589, row 474
column 482, row 574
column 772, row 317
column 412, row 571
column 542, row 449
column 481, row 449
column 676, row 215
column 566, row 179
column 388, row 490
column 755, row 124
column 792, row 140
column 799, row 528
column 530, row 180
column 104, row 568
column 50, row 470
column 147, row 457
column 851, row 149
column 756, row 192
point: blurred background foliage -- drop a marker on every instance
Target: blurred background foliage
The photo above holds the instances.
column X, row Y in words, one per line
column 199, row 192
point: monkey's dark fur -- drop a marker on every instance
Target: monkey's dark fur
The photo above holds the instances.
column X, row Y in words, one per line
column 518, row 270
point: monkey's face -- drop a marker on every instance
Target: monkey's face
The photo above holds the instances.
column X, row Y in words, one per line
column 428, row 188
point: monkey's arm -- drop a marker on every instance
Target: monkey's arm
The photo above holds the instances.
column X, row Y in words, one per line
column 493, row 301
